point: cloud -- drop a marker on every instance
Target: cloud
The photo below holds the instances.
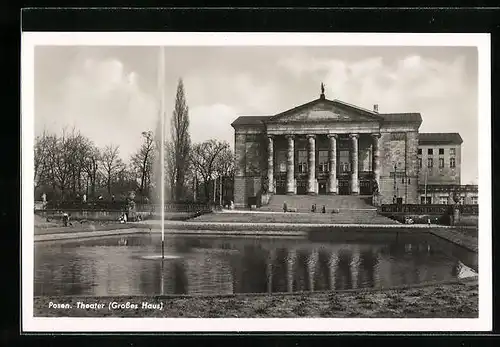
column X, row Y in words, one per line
column 212, row 121
column 245, row 92
column 102, row 100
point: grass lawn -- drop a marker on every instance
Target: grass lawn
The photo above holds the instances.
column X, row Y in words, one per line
column 451, row 300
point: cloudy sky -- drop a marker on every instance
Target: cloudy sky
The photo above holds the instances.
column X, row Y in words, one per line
column 109, row 93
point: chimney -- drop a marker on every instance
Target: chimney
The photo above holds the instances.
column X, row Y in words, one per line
column 375, row 108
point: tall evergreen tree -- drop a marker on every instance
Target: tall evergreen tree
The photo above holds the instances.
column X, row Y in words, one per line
column 181, row 141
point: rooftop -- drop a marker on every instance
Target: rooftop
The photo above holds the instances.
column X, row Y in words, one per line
column 439, row 139
column 388, row 117
column 250, row 120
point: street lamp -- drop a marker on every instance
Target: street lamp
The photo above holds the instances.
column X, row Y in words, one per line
column 395, row 181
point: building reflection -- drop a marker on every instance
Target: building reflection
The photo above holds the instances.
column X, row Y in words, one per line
column 225, row 266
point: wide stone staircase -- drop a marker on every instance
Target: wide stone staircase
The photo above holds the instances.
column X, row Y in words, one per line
column 303, row 203
column 348, row 209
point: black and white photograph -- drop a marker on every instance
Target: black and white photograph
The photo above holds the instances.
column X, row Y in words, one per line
column 230, row 182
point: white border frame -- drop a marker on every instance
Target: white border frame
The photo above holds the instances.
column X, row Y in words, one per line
column 34, row 324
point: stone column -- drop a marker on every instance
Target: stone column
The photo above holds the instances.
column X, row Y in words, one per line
column 354, row 165
column 290, row 175
column 332, row 161
column 311, row 165
column 376, row 158
column 270, row 163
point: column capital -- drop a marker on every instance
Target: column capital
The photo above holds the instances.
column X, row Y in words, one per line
column 270, row 136
column 290, row 136
column 332, row 136
column 311, row 136
column 375, row 135
column 353, row 136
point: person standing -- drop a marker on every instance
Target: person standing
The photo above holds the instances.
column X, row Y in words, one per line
column 65, row 219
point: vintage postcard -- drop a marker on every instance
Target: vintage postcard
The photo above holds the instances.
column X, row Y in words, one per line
column 223, row 182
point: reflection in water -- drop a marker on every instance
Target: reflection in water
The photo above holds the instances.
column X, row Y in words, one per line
column 209, row 266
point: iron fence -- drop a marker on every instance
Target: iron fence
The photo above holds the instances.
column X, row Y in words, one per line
column 432, row 209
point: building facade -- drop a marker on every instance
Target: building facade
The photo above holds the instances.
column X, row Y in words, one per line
column 331, row 147
column 439, row 163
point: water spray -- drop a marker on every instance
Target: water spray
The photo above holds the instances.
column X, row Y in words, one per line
column 161, row 80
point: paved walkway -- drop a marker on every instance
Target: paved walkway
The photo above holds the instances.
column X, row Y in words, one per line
column 457, row 237
column 343, row 217
column 194, row 224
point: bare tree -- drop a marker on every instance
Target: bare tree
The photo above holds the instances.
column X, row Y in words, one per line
column 204, row 158
column 181, row 140
column 224, row 168
column 111, row 165
column 142, row 162
column 60, row 162
column 91, row 167
column 41, row 158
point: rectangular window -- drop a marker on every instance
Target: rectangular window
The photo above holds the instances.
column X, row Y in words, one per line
column 441, row 151
column 441, row 163
column 420, row 151
column 302, row 161
column 430, row 163
column 424, row 200
column 473, row 200
column 430, row 151
column 323, row 161
column 443, row 200
column 419, row 163
column 344, row 161
column 281, row 159
column 452, row 163
column 452, row 151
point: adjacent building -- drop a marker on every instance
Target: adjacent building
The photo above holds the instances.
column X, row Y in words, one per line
column 332, row 147
column 439, row 165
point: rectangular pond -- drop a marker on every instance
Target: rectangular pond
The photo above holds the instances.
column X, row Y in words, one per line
column 201, row 265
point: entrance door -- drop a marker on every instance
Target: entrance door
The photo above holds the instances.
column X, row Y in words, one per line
column 280, row 186
column 365, row 187
column 322, row 187
column 301, row 186
column 343, row 187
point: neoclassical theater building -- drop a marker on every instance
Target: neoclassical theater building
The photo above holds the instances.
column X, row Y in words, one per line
column 332, row 147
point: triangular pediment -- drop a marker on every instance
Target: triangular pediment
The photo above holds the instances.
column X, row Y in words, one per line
column 324, row 110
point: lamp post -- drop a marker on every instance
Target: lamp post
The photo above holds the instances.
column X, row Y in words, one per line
column 395, row 180
column 425, row 187
column 406, row 181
